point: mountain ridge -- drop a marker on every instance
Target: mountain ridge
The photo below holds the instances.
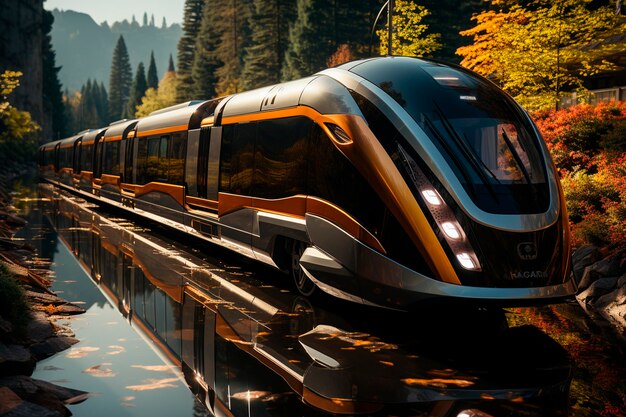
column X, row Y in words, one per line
column 84, row 48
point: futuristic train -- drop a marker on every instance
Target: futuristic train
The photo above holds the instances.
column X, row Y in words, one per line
column 385, row 181
column 247, row 349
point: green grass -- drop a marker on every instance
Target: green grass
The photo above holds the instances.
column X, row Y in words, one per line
column 13, row 305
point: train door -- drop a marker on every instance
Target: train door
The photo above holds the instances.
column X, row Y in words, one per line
column 57, row 157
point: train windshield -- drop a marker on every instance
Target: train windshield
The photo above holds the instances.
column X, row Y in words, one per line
column 480, row 132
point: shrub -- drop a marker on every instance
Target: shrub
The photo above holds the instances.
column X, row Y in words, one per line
column 13, row 305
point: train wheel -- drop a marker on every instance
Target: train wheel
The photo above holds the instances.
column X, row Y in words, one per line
column 304, row 285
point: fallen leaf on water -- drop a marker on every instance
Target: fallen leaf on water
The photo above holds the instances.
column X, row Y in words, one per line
column 80, row 352
column 100, row 371
column 77, row 399
column 116, row 350
column 128, row 398
column 152, row 384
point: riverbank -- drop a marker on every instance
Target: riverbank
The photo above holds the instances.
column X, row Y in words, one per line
column 29, row 331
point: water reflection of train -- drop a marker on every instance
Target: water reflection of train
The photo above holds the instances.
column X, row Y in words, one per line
column 248, row 349
column 386, row 181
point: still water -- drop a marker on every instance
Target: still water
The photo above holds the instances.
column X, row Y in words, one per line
column 176, row 327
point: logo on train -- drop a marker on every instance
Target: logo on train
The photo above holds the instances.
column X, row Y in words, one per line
column 527, row 251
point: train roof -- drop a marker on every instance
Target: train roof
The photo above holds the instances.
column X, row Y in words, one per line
column 179, row 117
column 120, row 128
column 92, row 135
column 320, row 92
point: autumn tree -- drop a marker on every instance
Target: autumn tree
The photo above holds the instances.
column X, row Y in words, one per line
column 137, row 91
column 342, row 55
column 17, row 128
column 186, row 47
column 537, row 53
column 120, row 80
column 410, row 36
column 156, row 99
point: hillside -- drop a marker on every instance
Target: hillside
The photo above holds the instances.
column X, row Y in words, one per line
column 84, row 48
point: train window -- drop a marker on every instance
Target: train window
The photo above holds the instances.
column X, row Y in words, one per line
column 78, row 146
column 86, row 158
column 177, row 158
column 332, row 177
column 240, row 153
column 111, row 163
column 97, row 169
column 280, row 157
column 156, row 161
column 142, row 161
column 225, row 155
column 483, row 135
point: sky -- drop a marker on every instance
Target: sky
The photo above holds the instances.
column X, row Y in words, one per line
column 118, row 10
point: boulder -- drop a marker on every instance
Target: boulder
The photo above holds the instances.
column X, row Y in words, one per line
column 52, row 346
column 582, row 258
column 44, row 298
column 28, row 409
column 39, row 328
column 15, row 360
column 8, row 400
column 69, row 309
column 607, row 267
column 613, row 306
column 597, row 289
column 52, row 397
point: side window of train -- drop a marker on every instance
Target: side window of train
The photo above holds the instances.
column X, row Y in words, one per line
column 280, row 157
column 111, row 164
column 237, row 157
column 78, row 146
column 157, row 161
column 178, row 150
column 142, row 160
column 128, row 166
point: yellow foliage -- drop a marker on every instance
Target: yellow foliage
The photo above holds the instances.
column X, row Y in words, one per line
column 536, row 54
column 409, row 37
column 154, row 100
column 16, row 124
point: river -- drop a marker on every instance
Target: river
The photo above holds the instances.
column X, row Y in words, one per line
column 175, row 326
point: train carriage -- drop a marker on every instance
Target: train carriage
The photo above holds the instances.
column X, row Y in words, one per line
column 384, row 181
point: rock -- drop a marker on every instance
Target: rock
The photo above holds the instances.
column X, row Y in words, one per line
column 8, row 400
column 45, row 394
column 28, row 409
column 52, row 346
column 607, row 267
column 596, row 290
column 582, row 258
column 39, row 328
column 589, row 276
column 15, row 360
column 44, row 298
column 69, row 310
column 621, row 283
column 18, row 271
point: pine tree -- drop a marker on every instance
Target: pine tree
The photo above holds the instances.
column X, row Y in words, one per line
column 310, row 41
column 264, row 57
column 152, row 20
column 191, row 26
column 205, row 62
column 119, row 81
column 145, row 19
column 164, row 24
column 52, row 96
column 137, row 91
column 170, row 66
column 103, row 105
column 233, row 25
column 153, row 77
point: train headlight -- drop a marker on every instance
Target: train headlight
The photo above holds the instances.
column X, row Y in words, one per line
column 451, row 230
column 432, row 197
column 466, row 261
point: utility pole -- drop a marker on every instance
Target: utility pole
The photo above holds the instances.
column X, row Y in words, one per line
column 390, row 28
